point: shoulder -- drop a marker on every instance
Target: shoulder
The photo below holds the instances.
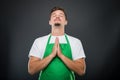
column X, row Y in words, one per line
column 73, row 39
column 42, row 39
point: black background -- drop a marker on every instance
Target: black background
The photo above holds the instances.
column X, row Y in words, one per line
column 95, row 22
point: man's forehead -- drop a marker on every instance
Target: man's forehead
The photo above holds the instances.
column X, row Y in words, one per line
column 58, row 11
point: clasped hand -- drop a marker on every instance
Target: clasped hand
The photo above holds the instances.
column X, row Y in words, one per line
column 56, row 49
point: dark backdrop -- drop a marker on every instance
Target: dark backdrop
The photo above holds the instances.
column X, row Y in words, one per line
column 95, row 22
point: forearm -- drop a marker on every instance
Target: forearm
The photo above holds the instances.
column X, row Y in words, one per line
column 37, row 65
column 76, row 66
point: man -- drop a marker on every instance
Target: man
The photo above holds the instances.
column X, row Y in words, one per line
column 57, row 55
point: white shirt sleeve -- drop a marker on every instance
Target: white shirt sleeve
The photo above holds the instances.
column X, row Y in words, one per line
column 78, row 51
column 35, row 50
column 77, row 48
column 38, row 47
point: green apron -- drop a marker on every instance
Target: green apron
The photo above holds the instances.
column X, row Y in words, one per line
column 56, row 69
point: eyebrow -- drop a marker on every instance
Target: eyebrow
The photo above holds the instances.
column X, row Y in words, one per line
column 60, row 13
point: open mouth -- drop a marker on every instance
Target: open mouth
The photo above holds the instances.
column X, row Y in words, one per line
column 57, row 24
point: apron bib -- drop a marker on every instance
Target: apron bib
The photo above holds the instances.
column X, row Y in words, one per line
column 56, row 69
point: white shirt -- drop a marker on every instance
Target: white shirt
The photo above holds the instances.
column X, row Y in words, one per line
column 39, row 45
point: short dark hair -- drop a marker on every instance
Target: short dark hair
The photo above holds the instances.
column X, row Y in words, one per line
column 58, row 8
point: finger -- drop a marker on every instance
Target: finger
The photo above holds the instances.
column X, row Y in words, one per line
column 57, row 41
column 59, row 49
column 58, row 46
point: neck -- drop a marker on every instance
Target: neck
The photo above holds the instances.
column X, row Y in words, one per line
column 57, row 31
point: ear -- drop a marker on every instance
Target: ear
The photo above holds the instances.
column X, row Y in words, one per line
column 49, row 22
column 66, row 22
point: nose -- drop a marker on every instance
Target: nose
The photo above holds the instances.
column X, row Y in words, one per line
column 57, row 18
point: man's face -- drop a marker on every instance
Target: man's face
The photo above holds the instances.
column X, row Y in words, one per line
column 58, row 17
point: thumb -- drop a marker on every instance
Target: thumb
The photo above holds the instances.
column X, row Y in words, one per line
column 56, row 41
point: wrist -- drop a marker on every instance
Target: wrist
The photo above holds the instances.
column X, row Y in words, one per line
column 60, row 55
column 52, row 55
